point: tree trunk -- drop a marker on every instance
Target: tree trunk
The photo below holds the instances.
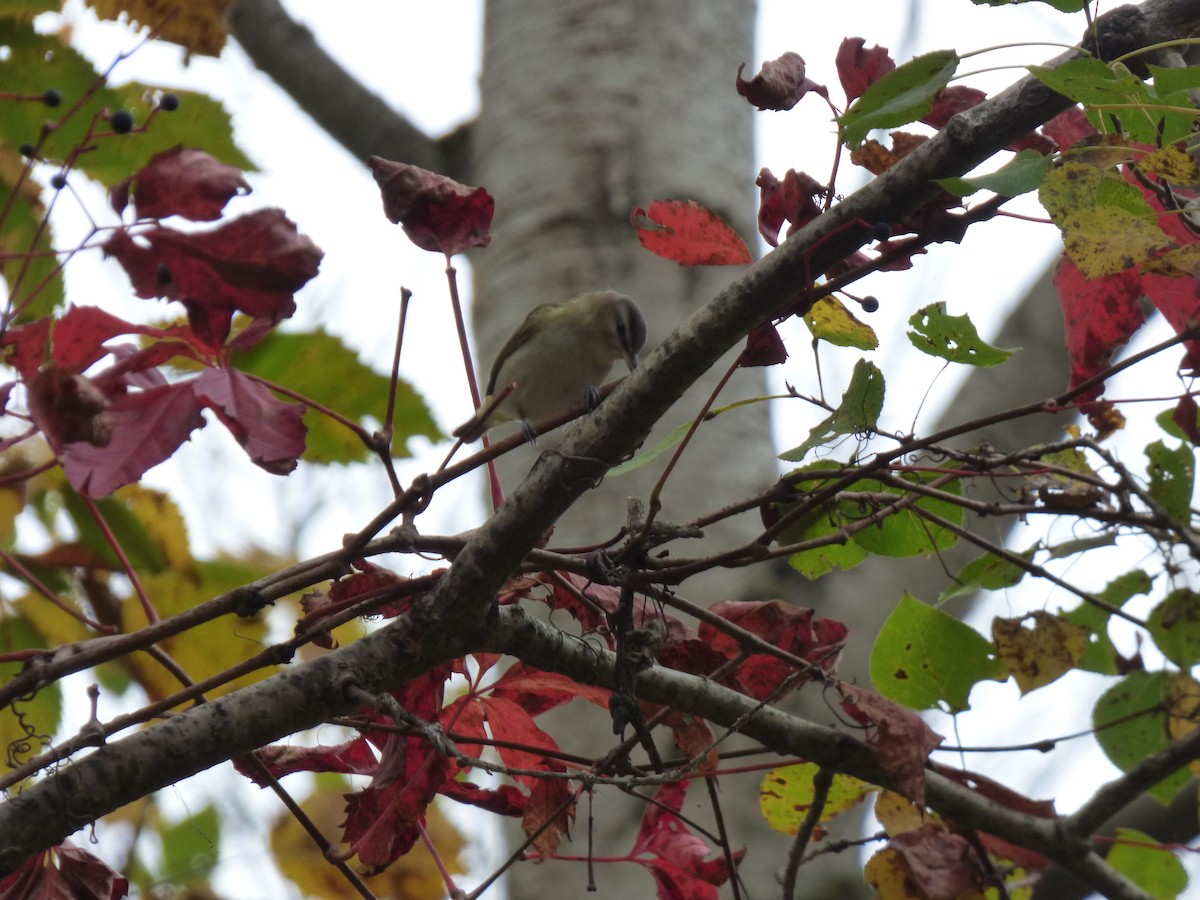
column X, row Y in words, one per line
column 590, row 108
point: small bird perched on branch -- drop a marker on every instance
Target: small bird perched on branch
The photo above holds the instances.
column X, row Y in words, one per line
column 561, row 352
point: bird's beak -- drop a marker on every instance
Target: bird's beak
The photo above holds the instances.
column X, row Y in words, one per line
column 631, row 360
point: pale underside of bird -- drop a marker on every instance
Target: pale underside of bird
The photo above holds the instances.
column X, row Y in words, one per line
column 557, row 357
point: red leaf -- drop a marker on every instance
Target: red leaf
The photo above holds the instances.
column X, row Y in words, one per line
column 548, row 803
column 536, row 691
column 677, row 857
column 1069, row 127
column 181, row 182
column 764, row 347
column 901, row 738
column 80, row 333
column 791, row 200
column 505, row 800
column 1101, row 315
column 65, row 872
column 26, row 346
column 859, row 68
column 941, row 864
column 253, row 264
column 437, row 212
column 1185, row 417
column 510, row 722
column 270, row 430
column 688, row 233
column 354, row 757
column 791, row 628
column 147, row 427
column 951, row 102
column 382, row 821
column 779, row 85
column 1177, row 300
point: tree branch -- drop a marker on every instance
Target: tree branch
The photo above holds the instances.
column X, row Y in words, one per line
column 358, row 119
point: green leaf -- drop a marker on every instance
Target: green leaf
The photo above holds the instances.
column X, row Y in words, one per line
column 787, row 793
column 40, row 714
column 904, row 532
column 319, row 366
column 856, row 414
column 952, row 337
column 1131, row 723
column 36, row 62
column 27, row 9
column 190, row 847
column 1095, row 83
column 926, row 659
column 1172, row 479
column 1175, row 626
column 136, row 541
column 904, row 95
column 21, row 232
column 1101, row 655
column 1067, row 6
column 986, row 573
column 1151, row 866
column 1020, row 175
column 1166, row 421
column 830, row 321
column 816, row 524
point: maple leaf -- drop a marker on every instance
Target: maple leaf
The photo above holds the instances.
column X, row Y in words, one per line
column 677, row 858
column 270, row 430
column 859, row 68
column 791, row 200
column 791, row 628
column 688, row 233
column 547, row 816
column 505, row 800
column 780, row 84
column 764, row 347
column 181, row 182
column 147, row 428
column 436, row 212
column 65, row 871
column 253, row 264
column 354, row 757
column 901, row 738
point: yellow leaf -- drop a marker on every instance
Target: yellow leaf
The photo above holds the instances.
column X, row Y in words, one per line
column 829, row 320
column 1183, row 714
column 898, row 814
column 1039, row 655
column 198, row 25
column 1106, row 240
column 1173, row 163
column 888, row 875
column 787, row 793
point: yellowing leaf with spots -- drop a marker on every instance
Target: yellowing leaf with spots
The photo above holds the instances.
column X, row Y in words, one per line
column 786, row 795
column 829, row 320
column 1042, row 653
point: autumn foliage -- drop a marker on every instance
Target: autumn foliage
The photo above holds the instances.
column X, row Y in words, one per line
column 91, row 402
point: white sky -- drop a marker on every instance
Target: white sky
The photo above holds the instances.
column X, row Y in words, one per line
column 393, row 46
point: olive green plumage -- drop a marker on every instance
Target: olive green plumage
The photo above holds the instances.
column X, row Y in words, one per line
column 557, row 357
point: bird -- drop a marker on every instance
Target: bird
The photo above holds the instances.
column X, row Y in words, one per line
column 560, row 353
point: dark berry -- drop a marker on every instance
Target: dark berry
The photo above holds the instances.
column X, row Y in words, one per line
column 122, row 121
column 28, row 150
column 164, row 274
column 869, row 304
column 52, row 98
column 169, row 102
column 58, row 181
column 881, row 230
